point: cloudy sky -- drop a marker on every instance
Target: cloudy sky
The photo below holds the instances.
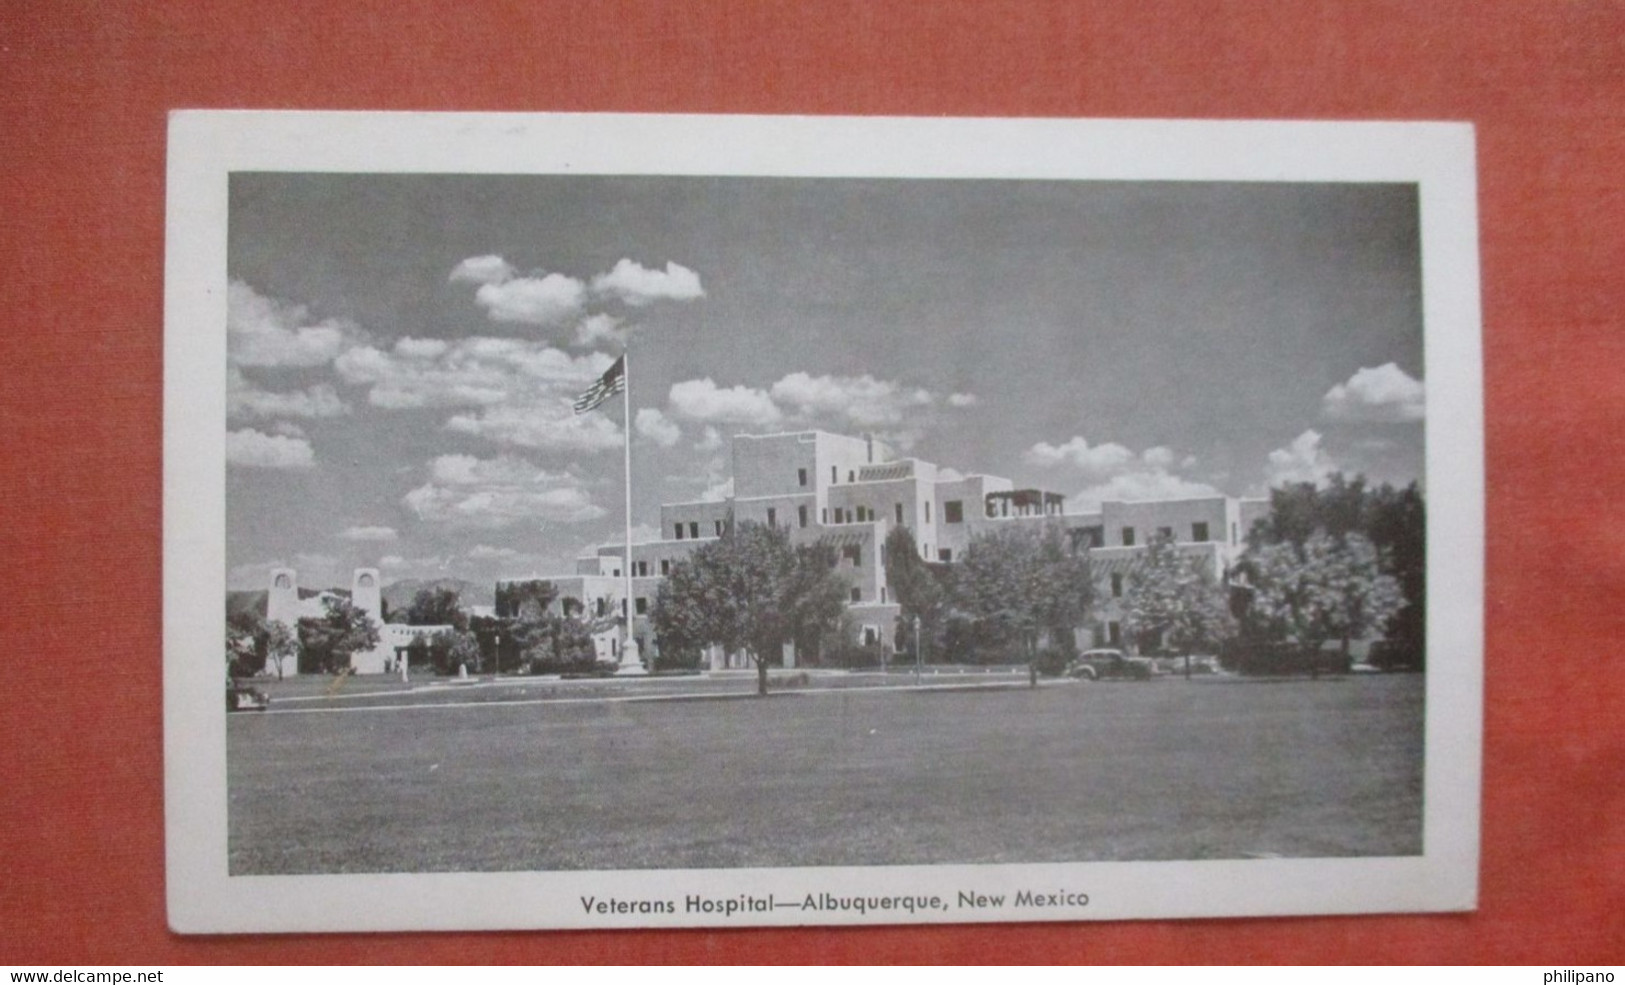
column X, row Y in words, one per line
column 403, row 350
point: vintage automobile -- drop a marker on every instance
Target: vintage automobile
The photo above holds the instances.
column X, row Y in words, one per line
column 1104, row 665
column 241, row 697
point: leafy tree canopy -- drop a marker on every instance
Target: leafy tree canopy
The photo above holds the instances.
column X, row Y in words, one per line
column 437, row 607
column 328, row 640
column 1174, row 599
column 750, row 589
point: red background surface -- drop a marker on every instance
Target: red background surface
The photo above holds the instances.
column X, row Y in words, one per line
column 84, row 88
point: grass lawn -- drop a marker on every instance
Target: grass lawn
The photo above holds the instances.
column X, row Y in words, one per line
column 1169, row 769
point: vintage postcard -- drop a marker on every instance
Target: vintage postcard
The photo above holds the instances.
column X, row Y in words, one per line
column 602, row 521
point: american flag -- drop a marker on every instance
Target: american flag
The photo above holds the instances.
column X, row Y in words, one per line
column 612, row 382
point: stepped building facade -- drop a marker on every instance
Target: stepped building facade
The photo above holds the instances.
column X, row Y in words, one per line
column 849, row 492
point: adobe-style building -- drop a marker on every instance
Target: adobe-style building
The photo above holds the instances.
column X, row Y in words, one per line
column 849, row 492
column 283, row 604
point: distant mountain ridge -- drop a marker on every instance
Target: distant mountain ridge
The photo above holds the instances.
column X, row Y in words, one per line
column 398, row 595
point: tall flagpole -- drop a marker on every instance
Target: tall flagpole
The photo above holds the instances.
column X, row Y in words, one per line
column 630, row 661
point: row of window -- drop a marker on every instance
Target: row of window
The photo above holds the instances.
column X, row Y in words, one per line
column 694, row 529
column 1199, row 534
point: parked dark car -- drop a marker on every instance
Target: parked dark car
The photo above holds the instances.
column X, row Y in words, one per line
column 241, row 697
column 1104, row 665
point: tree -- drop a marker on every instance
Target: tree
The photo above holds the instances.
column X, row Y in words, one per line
column 255, row 644
column 1395, row 520
column 1322, row 590
column 328, row 640
column 921, row 594
column 750, row 589
column 437, row 607
column 1175, row 599
column 1018, row 583
column 450, row 650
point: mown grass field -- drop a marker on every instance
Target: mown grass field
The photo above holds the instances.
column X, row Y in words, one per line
column 1169, row 769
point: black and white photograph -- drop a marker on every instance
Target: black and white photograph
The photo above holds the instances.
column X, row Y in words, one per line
column 631, row 521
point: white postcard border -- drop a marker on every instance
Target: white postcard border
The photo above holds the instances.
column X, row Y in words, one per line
column 206, row 146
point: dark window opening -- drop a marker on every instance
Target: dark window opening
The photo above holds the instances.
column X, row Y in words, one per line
column 1117, row 586
column 1166, row 533
column 694, row 530
column 953, row 511
column 679, row 529
column 1128, row 536
column 899, row 514
column 854, row 554
column 801, row 515
column 945, row 554
column 857, row 595
column 643, row 606
column 1199, row 532
column 665, row 567
column 772, row 517
column 801, row 477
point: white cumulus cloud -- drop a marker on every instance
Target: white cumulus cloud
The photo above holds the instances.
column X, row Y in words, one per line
column 1114, row 472
column 487, row 493
column 963, row 400
column 659, row 428
column 262, row 331
column 483, row 270
column 244, row 399
column 255, row 449
column 705, row 402
column 861, row 400
column 368, row 535
column 637, row 285
column 600, row 327
column 547, row 299
column 1304, row 460
column 509, row 391
column 1385, row 393
column 1145, row 483
column 1079, row 454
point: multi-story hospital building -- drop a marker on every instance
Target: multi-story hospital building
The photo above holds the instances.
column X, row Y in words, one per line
column 849, row 492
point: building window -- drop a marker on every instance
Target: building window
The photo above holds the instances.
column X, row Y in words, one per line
column 851, row 476
column 665, row 567
column 1097, row 536
column 899, row 514
column 928, row 511
column 945, row 554
column 1117, row 586
column 623, row 608
column 854, row 554
column 599, row 607
column 1166, row 533
column 1233, row 538
column 1128, row 536
column 801, row 477
column 642, row 569
column 823, row 516
column 614, row 647
column 1114, row 633
column 801, row 515
column 1199, row 532
column 615, row 572
column 833, row 476
column 882, row 593
column 772, row 517
column 871, row 635
column 953, row 511
column 679, row 529
column 643, row 606
column 718, row 525
column 857, row 595
column 694, row 529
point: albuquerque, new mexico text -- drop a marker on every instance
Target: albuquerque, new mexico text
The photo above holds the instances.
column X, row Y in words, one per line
column 831, row 903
